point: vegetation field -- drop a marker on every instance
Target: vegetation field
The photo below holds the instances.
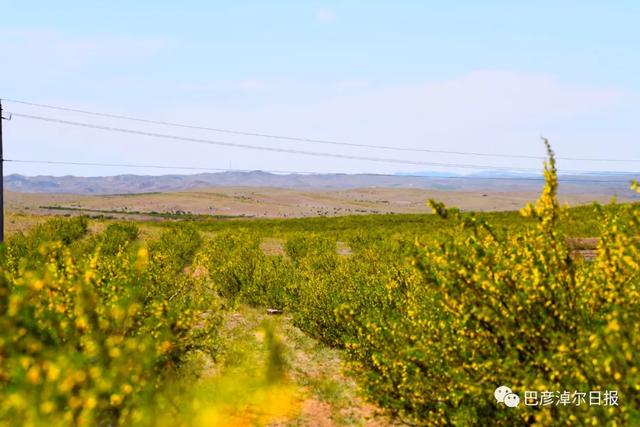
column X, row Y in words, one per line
column 265, row 202
column 385, row 319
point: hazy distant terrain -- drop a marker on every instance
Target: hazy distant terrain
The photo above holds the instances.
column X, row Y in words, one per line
column 495, row 181
column 263, row 195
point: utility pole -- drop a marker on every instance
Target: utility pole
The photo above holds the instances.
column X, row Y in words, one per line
column 1, row 180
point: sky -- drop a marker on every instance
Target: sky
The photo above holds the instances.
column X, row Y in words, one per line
column 464, row 76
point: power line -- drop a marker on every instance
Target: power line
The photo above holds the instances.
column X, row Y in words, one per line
column 207, row 169
column 277, row 150
column 257, row 147
column 132, row 165
column 310, row 140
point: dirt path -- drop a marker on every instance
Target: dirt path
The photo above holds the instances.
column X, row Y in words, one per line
column 272, row 374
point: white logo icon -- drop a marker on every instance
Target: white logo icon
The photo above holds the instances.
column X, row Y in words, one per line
column 504, row 394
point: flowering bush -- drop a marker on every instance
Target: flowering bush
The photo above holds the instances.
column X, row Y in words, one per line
column 240, row 271
column 432, row 327
column 88, row 338
column 492, row 308
column 432, row 317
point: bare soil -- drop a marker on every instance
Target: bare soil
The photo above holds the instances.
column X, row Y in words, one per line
column 278, row 203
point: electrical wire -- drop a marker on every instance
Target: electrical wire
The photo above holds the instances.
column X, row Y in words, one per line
column 277, row 150
column 310, row 140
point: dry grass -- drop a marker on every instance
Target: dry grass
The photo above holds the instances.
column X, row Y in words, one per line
column 18, row 222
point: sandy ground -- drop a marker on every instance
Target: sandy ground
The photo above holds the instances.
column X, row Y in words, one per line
column 319, row 393
column 284, row 203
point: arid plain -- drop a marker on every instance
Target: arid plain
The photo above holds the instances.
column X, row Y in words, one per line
column 260, row 202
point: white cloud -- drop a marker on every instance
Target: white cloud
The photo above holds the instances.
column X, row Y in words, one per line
column 484, row 100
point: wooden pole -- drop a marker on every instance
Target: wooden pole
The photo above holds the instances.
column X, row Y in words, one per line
column 1, row 180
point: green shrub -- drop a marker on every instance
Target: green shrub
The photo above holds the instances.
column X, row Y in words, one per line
column 90, row 339
column 117, row 236
column 493, row 308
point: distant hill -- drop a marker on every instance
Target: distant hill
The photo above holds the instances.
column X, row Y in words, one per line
column 132, row 184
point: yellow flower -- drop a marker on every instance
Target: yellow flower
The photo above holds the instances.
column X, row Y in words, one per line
column 75, row 402
column 36, row 285
column 53, row 372
column 116, row 400
column 91, row 402
column 613, row 326
column 33, row 375
column 47, row 407
column 164, row 347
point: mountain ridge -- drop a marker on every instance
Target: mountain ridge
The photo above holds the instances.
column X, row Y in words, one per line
column 132, row 184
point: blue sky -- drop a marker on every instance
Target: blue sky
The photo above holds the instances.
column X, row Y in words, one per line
column 490, row 76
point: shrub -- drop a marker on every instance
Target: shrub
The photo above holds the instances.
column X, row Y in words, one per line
column 493, row 308
column 90, row 339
